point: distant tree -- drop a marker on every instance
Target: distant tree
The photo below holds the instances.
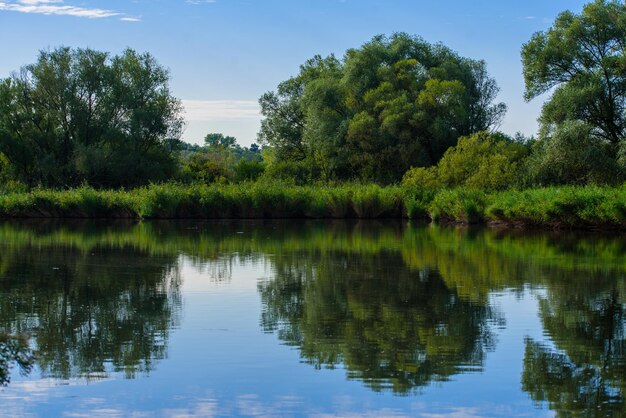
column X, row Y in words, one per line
column 79, row 115
column 220, row 160
column 254, row 148
column 582, row 60
column 216, row 140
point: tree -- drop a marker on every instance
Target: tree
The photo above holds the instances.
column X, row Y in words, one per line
column 391, row 104
column 283, row 126
column 219, row 141
column 582, row 59
column 79, row 115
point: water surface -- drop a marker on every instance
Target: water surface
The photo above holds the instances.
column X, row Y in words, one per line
column 293, row 318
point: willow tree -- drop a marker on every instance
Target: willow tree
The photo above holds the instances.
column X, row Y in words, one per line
column 393, row 103
column 581, row 59
column 79, row 115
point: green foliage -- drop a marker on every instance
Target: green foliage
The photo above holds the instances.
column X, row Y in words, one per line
column 459, row 205
column 394, row 103
column 581, row 57
column 422, row 178
column 571, row 207
column 217, row 140
column 246, row 170
column 572, row 156
column 283, row 125
column 417, row 202
column 209, row 167
column 481, row 161
column 561, row 206
column 296, row 172
column 220, row 160
column 83, row 116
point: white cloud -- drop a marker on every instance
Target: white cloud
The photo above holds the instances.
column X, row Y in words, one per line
column 130, row 19
column 208, row 110
column 199, row 1
column 56, row 7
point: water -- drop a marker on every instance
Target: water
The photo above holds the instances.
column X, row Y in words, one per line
column 294, row 318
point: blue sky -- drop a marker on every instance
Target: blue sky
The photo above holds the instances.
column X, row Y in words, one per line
column 223, row 54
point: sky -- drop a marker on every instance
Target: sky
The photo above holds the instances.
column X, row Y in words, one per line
column 224, row 54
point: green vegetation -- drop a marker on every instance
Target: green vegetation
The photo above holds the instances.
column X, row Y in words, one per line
column 398, row 127
column 567, row 207
column 394, row 103
column 481, row 161
column 82, row 116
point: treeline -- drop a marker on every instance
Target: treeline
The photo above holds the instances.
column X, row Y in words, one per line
column 397, row 109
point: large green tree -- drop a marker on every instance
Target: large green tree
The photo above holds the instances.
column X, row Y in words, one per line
column 393, row 103
column 581, row 59
column 79, row 115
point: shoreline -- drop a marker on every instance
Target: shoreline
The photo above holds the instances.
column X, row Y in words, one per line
column 552, row 208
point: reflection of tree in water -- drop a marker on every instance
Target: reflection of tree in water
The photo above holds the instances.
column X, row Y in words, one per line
column 389, row 326
column 90, row 313
column 14, row 351
column 586, row 374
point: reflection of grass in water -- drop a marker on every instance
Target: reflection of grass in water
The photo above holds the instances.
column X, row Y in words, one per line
column 419, row 246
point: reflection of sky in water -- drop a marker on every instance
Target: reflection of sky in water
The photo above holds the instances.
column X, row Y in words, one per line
column 220, row 362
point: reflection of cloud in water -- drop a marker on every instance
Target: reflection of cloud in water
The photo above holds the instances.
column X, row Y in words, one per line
column 252, row 405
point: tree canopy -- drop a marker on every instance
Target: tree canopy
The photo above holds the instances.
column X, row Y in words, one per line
column 394, row 103
column 79, row 115
column 581, row 59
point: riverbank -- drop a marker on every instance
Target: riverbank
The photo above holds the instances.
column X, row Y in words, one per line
column 554, row 207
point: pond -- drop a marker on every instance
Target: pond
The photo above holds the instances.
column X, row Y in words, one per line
column 299, row 318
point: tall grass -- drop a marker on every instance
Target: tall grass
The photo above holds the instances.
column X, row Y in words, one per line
column 589, row 206
column 561, row 207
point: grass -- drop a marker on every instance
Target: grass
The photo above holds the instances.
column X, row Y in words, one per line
column 570, row 207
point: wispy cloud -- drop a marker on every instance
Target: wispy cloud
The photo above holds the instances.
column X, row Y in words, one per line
column 207, row 110
column 58, row 7
column 199, row 1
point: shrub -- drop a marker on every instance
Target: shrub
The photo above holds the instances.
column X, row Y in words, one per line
column 421, row 178
column 572, row 156
column 482, row 161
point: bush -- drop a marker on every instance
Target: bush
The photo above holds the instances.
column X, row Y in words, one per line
column 421, row 178
column 482, row 161
column 572, row 156
column 296, row 172
column 248, row 170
